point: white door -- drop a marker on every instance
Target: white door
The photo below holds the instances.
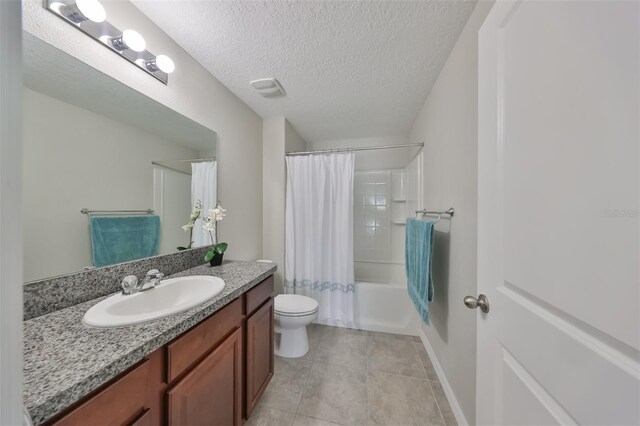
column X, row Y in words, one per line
column 559, row 189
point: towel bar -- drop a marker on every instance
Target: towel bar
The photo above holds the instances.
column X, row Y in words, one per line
column 90, row 212
column 450, row 211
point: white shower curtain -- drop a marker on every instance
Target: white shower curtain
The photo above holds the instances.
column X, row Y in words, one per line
column 319, row 233
column 203, row 188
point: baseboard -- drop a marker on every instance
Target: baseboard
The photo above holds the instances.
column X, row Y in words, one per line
column 455, row 405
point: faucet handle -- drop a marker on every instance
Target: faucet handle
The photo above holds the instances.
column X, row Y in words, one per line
column 153, row 273
column 155, row 276
column 129, row 284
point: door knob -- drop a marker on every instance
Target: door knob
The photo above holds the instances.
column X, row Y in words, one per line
column 482, row 301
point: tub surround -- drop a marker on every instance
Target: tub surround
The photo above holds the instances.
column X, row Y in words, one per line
column 64, row 360
column 52, row 294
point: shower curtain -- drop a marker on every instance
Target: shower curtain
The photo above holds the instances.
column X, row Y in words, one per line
column 203, row 188
column 319, row 233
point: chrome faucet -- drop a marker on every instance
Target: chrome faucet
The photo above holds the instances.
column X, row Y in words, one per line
column 152, row 279
column 130, row 284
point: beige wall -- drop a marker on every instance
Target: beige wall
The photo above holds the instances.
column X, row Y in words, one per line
column 448, row 126
column 292, row 140
column 192, row 92
column 63, row 173
column 278, row 138
column 273, row 181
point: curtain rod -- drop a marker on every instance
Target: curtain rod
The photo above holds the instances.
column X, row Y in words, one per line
column 193, row 160
column 364, row 148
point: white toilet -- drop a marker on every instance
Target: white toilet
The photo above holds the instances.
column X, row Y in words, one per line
column 293, row 313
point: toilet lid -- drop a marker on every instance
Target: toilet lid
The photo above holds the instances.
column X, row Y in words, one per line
column 294, row 304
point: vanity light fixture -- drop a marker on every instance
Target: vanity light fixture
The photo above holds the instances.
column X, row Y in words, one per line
column 129, row 39
column 84, row 10
column 162, row 63
column 89, row 16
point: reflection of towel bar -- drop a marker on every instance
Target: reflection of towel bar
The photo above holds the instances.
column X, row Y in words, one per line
column 450, row 211
column 90, row 212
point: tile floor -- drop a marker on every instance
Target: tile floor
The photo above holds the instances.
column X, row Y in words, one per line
column 354, row 377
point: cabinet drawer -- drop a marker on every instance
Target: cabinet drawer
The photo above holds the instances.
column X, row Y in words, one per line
column 191, row 346
column 259, row 294
column 120, row 403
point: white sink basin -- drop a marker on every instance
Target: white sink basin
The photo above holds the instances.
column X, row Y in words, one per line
column 173, row 295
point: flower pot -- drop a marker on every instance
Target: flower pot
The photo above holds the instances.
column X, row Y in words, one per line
column 216, row 260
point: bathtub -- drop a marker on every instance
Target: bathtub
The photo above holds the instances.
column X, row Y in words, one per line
column 383, row 307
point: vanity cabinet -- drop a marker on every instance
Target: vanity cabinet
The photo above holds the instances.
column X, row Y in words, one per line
column 213, row 374
column 211, row 393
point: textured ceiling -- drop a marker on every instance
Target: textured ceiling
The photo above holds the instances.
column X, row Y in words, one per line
column 350, row 69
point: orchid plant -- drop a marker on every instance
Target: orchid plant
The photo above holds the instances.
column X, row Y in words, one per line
column 211, row 220
column 195, row 214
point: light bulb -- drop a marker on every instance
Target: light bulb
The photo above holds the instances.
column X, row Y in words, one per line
column 92, row 9
column 134, row 40
column 129, row 39
column 84, row 10
column 165, row 64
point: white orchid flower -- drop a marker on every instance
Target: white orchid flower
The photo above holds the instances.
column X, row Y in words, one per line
column 216, row 214
column 195, row 214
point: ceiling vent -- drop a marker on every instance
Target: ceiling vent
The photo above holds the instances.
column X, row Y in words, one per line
column 267, row 87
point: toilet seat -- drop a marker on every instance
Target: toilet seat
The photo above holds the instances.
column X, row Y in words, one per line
column 302, row 314
column 294, row 305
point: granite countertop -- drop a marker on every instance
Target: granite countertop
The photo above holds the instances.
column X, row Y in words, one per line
column 65, row 360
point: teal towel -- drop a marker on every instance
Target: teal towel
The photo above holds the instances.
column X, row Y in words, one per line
column 418, row 251
column 116, row 239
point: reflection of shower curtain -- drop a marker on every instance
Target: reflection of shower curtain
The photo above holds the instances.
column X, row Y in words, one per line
column 203, row 188
column 319, row 233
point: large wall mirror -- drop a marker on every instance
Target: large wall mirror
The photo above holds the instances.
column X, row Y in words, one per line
column 93, row 143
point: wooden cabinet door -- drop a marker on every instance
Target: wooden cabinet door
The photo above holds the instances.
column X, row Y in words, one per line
column 259, row 354
column 211, row 393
